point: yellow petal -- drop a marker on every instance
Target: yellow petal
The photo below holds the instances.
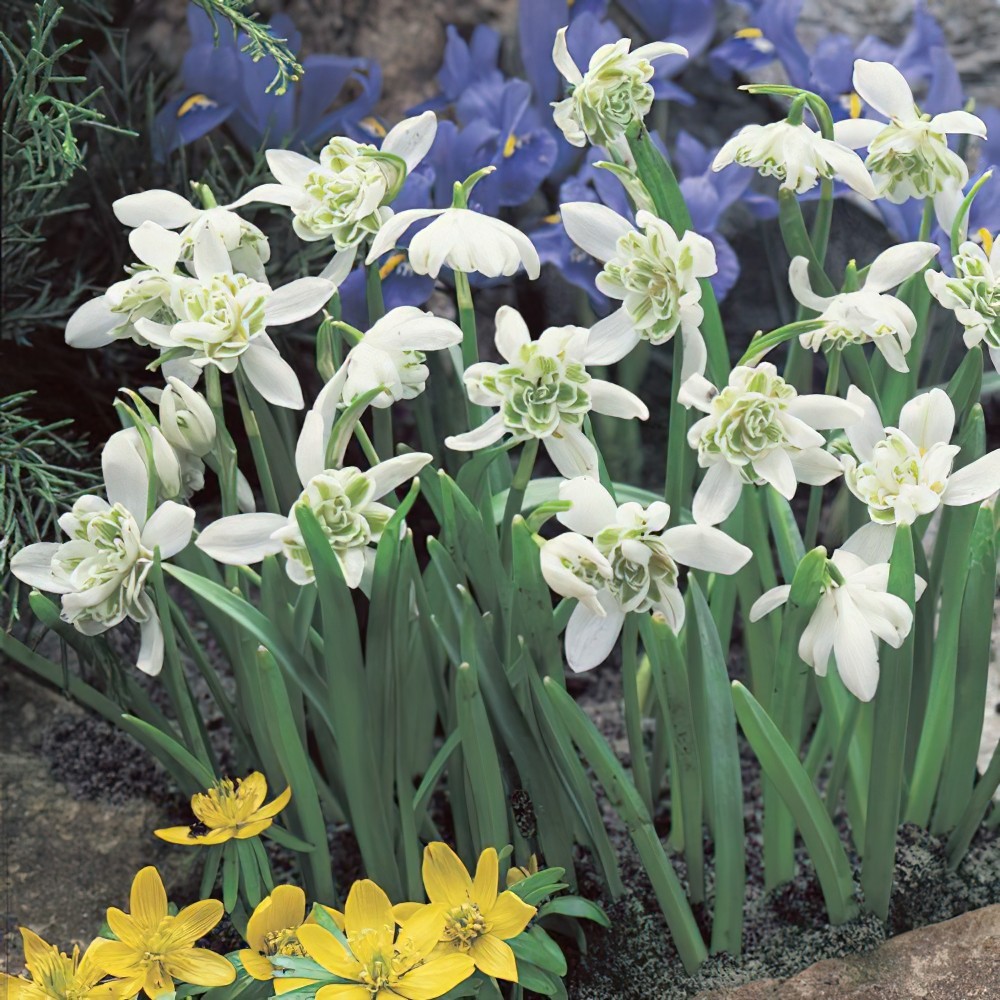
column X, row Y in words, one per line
column 343, row 991
column 335, row 915
column 368, row 913
column 157, row 981
column 509, row 916
column 403, row 911
column 484, row 888
column 182, row 835
column 148, row 899
column 435, row 978
column 90, row 969
column 446, row 879
column 285, row 984
column 127, row 929
column 200, row 967
column 10, row 987
column 284, row 909
column 323, row 947
column 255, row 964
column 195, row 921
column 119, row 959
column 37, row 953
column 252, row 828
column 494, row 957
column 422, row 931
column 274, row 807
column 253, row 791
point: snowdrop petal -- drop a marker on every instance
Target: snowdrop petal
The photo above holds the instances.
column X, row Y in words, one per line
column 928, row 418
column 816, row 641
column 776, row 469
column 851, row 168
column 150, row 657
column 871, row 542
column 479, row 437
column 865, row 433
column 856, row 132
column 590, row 637
column 339, row 268
column 823, row 413
column 768, row 601
column 33, row 565
column 883, row 87
column 92, row 323
column 815, row 467
column 719, row 493
column 974, row 483
column 893, row 266
column 170, row 528
column 271, row 375
column 289, row 167
column 210, row 254
column 798, row 281
column 242, row 539
column 887, row 615
column 563, row 60
column 702, row 547
column 593, row 506
column 165, row 208
column 615, row 401
column 656, row 50
column 272, row 194
column 698, row 392
column 412, row 138
column 392, row 472
column 158, row 247
column 126, row 479
column 511, row 332
column 594, row 228
column 572, row 452
column 855, row 649
column 958, row 123
column 394, row 227
column 297, row 300
column 611, row 338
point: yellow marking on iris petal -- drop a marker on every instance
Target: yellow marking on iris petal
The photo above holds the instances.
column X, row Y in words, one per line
column 510, row 146
column 553, row 218
column 748, row 33
column 374, row 126
column 854, row 104
column 195, row 101
column 390, row 265
column 987, row 237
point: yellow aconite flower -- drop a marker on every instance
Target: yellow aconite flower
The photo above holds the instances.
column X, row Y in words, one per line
column 518, row 873
column 154, row 948
column 273, row 930
column 473, row 919
column 381, row 964
column 58, row 976
column 230, row 809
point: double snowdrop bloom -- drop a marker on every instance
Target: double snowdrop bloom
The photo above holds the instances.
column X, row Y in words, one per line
column 345, row 196
column 391, row 355
column 461, row 239
column 758, row 429
column 652, row 271
column 904, row 472
column 246, row 245
column 853, row 612
column 343, row 501
column 908, row 157
column 100, row 572
column 867, row 315
column 543, row 391
column 973, row 294
column 221, row 318
column 799, row 157
column 620, row 560
column 613, row 93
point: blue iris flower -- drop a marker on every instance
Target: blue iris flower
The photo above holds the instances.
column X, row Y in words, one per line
column 221, row 84
column 400, row 287
column 466, row 63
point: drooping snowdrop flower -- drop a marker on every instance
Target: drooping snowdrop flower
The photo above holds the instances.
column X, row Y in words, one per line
column 461, row 239
column 246, row 244
column 543, row 391
column 392, row 355
column 618, row 560
column 343, row 501
column 186, row 419
column 345, row 196
column 221, row 318
column 867, row 315
column 758, row 429
column 904, row 472
column 652, row 271
column 853, row 613
column 799, row 157
column 908, row 157
column 973, row 294
column 613, row 93
column 100, row 572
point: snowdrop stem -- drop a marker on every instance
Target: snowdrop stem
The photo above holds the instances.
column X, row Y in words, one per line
column 327, row 349
column 765, row 342
column 470, row 341
column 515, row 495
column 225, row 449
column 152, row 483
column 381, row 416
column 680, row 467
column 257, row 448
column 963, row 211
column 633, row 710
column 797, row 241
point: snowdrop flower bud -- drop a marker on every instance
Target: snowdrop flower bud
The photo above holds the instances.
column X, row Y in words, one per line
column 908, row 157
column 614, row 93
column 652, row 271
column 170, row 478
column 186, row 419
column 796, row 155
column 973, row 294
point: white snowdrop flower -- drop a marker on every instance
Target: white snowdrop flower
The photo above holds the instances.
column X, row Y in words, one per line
column 246, row 244
column 461, row 239
column 973, row 294
column 652, row 271
column 853, row 613
column 392, row 355
column 908, row 157
column 100, row 571
column 344, row 197
column 186, row 419
column 758, row 429
column 902, row 473
column 345, row 502
column 221, row 318
column 867, row 315
column 624, row 559
column 543, row 391
column 799, row 157
column 613, row 93
column 176, row 479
